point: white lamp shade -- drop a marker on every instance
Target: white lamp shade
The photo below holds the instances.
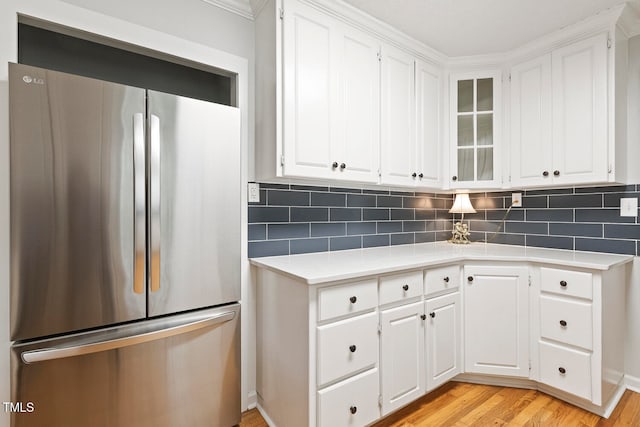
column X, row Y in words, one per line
column 462, row 204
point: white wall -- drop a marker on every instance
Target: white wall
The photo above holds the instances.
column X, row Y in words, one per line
column 191, row 29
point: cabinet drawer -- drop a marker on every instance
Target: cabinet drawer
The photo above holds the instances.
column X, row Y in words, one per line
column 576, row 365
column 347, row 346
column 400, row 287
column 566, row 282
column 566, row 321
column 442, row 279
column 348, row 299
column 352, row 402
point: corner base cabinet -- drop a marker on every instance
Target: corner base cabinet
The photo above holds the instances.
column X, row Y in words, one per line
column 351, row 350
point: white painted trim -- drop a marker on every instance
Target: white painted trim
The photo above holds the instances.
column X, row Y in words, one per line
column 252, row 399
column 239, row 7
column 257, row 6
column 268, row 420
column 629, row 22
column 379, row 29
column 632, row 383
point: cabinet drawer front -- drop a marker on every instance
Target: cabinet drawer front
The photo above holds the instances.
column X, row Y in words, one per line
column 400, row 287
column 442, row 279
column 566, row 321
column 347, row 346
column 353, row 402
column 576, row 364
column 566, row 282
column 348, row 299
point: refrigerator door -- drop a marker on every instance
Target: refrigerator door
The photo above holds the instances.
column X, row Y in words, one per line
column 194, row 206
column 73, row 261
column 182, row 370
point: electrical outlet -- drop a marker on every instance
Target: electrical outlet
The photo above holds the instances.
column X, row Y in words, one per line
column 629, row 206
column 253, row 188
column 516, row 200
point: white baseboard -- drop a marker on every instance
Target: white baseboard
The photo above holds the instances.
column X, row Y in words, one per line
column 268, row 420
column 632, row 383
column 252, row 400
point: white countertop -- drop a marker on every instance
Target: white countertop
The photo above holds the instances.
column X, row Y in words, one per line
column 323, row 267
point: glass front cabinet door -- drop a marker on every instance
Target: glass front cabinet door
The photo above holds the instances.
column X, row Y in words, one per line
column 475, row 130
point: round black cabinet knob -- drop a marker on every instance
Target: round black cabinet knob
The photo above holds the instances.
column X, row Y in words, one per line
column 470, row 278
column 556, row 173
column 334, row 165
column 414, row 174
column 446, row 279
column 405, row 287
column 421, row 175
column 545, row 173
column 353, row 409
column 353, row 300
column 563, row 283
column 352, row 348
column 563, row 323
column 342, row 166
column 432, row 314
column 454, row 178
column 423, row 316
column 562, row 370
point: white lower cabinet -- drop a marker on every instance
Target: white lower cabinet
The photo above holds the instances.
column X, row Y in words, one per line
column 352, row 402
column 443, row 339
column 350, row 353
column 496, row 326
column 401, row 355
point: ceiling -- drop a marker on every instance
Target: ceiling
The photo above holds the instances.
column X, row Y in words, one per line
column 475, row 27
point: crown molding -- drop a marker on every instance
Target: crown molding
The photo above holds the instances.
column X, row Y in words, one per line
column 257, row 6
column 629, row 22
column 239, row 7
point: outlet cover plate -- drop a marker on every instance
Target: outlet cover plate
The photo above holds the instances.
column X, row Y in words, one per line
column 629, row 206
column 516, row 200
column 253, row 190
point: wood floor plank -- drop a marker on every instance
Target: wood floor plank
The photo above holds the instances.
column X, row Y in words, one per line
column 473, row 405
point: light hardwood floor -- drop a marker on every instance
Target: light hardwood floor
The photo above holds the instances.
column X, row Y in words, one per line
column 462, row 404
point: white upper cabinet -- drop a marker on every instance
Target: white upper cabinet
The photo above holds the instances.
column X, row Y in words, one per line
column 358, row 144
column 559, row 116
column 580, row 110
column 531, row 140
column 398, row 117
column 310, row 75
column 331, row 77
column 475, row 100
column 429, row 125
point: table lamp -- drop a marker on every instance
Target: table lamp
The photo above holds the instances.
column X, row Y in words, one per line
column 461, row 205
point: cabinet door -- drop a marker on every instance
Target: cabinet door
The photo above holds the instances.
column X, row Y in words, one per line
column 398, row 160
column 443, row 339
column 531, row 141
column 310, row 89
column 428, row 125
column 358, row 144
column 475, row 130
column 496, row 321
column 402, row 356
column 580, row 112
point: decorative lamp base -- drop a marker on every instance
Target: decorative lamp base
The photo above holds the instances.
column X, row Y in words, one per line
column 460, row 234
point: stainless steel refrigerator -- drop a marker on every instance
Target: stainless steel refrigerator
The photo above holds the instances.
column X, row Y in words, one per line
column 125, row 255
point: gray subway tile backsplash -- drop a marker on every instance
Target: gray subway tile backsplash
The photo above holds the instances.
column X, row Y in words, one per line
column 293, row 219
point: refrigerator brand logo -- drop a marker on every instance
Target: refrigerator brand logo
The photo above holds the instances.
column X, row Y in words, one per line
column 18, row 407
column 34, row 80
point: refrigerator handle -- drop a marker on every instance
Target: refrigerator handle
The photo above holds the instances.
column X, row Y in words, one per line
column 155, row 202
column 139, row 203
column 34, row 356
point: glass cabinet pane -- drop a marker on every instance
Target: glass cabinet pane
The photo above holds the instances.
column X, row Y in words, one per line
column 485, row 129
column 485, row 94
column 465, row 164
column 465, row 96
column 485, row 164
column 465, row 130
